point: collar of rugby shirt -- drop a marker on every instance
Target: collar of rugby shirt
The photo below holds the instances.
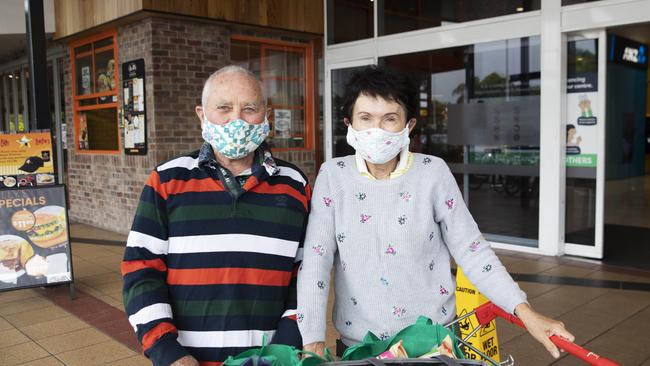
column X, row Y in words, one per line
column 404, row 164
column 262, row 159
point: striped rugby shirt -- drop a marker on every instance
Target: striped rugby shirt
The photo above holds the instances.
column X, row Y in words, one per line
column 210, row 268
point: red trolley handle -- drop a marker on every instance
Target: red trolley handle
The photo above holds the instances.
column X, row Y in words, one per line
column 488, row 311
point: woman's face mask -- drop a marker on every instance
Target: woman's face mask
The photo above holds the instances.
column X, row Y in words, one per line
column 379, row 133
column 235, row 139
column 376, row 145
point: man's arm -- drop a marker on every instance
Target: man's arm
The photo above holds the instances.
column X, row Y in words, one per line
column 144, row 270
column 287, row 331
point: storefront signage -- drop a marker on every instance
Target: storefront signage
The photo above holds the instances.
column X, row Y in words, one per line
column 34, row 238
column 581, row 107
column 134, row 114
column 26, row 160
column 628, row 52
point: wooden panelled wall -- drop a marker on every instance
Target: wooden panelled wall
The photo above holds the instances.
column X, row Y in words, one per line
column 73, row 16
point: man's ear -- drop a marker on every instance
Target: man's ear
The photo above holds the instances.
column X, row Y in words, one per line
column 268, row 112
column 199, row 112
column 411, row 124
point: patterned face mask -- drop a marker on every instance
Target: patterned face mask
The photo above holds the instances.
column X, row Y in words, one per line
column 376, row 145
column 235, row 139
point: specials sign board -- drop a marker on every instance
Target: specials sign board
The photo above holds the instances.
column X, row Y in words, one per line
column 34, row 238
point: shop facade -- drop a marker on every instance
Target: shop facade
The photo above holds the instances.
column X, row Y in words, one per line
column 131, row 81
column 516, row 95
column 513, row 95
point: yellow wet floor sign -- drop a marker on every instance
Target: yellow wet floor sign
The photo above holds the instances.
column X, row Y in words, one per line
column 467, row 299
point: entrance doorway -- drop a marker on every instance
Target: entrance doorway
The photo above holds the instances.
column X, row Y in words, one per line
column 626, row 232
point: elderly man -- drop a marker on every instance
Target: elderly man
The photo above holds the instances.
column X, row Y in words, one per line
column 210, row 263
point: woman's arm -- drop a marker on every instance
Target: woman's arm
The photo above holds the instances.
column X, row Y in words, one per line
column 314, row 275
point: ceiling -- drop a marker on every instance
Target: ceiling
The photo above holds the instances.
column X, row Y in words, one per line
column 636, row 32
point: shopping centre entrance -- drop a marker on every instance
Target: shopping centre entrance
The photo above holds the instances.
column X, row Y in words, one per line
column 627, row 148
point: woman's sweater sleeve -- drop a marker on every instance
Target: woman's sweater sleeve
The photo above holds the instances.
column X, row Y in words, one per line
column 319, row 251
column 468, row 247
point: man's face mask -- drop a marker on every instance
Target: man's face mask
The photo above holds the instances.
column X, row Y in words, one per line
column 235, row 139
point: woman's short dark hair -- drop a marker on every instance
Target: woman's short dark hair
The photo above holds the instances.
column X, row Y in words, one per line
column 380, row 81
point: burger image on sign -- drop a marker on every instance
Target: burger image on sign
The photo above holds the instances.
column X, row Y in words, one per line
column 14, row 252
column 50, row 228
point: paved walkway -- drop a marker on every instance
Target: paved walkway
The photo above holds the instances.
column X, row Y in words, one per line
column 607, row 308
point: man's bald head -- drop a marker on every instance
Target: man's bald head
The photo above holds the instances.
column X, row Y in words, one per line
column 219, row 74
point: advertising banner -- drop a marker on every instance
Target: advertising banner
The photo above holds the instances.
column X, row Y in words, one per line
column 133, row 108
column 26, row 160
column 34, row 238
column 582, row 104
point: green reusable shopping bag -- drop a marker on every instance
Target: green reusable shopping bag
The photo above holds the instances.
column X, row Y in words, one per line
column 277, row 355
column 417, row 339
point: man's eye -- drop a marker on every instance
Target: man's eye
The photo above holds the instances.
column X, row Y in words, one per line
column 223, row 108
column 250, row 109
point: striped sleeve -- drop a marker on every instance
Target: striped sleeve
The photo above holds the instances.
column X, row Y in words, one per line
column 287, row 330
column 144, row 270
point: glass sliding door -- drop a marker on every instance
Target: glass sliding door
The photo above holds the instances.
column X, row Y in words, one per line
column 479, row 111
column 585, row 123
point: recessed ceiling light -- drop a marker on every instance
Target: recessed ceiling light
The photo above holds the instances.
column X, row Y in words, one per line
column 520, row 8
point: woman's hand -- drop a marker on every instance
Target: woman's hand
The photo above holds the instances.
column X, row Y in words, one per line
column 316, row 347
column 541, row 327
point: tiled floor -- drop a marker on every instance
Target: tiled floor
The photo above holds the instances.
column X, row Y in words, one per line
column 45, row 327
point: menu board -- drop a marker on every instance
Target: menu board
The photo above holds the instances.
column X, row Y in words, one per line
column 133, row 108
column 26, row 160
column 34, row 238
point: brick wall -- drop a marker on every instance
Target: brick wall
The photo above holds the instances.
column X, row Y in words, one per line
column 179, row 55
column 104, row 189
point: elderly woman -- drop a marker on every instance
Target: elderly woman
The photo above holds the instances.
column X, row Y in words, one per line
column 388, row 221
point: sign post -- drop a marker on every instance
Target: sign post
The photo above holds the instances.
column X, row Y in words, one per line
column 34, row 238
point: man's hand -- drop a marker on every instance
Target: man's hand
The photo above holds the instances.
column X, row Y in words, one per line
column 541, row 327
column 186, row 361
column 316, row 347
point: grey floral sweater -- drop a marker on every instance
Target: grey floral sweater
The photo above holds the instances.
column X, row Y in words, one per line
column 390, row 242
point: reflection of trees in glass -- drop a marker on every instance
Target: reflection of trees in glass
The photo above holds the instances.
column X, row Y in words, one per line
column 459, row 93
column 585, row 61
column 582, row 56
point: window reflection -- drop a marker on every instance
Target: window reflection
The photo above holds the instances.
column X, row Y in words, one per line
column 349, row 20
column 396, row 16
column 479, row 111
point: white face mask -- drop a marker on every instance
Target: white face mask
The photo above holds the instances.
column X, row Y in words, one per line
column 376, row 145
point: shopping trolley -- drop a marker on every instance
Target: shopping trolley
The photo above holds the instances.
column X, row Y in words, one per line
column 488, row 312
column 484, row 314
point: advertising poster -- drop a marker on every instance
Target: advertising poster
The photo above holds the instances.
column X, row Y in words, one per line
column 282, row 126
column 34, row 238
column 133, row 108
column 582, row 104
column 26, row 160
